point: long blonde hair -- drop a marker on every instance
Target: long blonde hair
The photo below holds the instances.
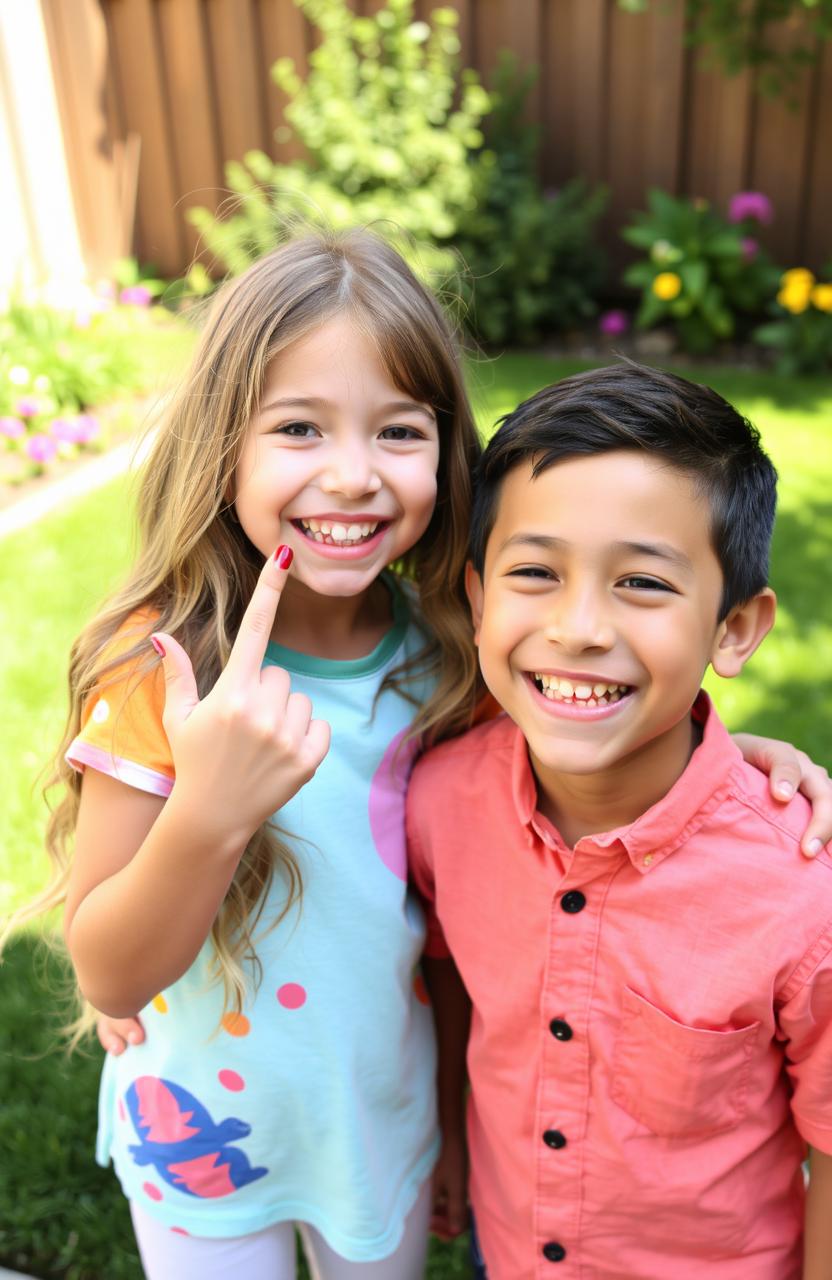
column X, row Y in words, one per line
column 196, row 569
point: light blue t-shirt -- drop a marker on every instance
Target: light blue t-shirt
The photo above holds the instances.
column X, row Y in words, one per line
column 318, row 1103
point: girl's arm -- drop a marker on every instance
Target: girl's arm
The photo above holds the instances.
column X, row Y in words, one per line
column 790, row 771
column 149, row 875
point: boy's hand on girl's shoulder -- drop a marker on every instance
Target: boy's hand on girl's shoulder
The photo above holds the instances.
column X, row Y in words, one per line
column 117, row 1034
column 449, row 1217
column 790, row 771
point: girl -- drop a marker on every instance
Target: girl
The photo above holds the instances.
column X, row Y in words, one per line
column 287, row 1074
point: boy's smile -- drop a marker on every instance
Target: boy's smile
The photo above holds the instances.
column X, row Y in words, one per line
column 596, row 618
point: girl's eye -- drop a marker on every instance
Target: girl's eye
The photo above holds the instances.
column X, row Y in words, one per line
column 400, row 433
column 639, row 582
column 298, row 430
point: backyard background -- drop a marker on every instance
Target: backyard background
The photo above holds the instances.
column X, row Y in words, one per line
column 119, row 116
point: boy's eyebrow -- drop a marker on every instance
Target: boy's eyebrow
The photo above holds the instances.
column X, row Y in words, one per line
column 318, row 402
column 658, row 550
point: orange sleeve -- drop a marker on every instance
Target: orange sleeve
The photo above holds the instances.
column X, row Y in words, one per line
column 121, row 730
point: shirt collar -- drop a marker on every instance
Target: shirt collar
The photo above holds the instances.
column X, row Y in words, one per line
column 664, row 827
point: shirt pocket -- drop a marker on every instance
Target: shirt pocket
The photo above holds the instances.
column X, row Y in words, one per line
column 677, row 1080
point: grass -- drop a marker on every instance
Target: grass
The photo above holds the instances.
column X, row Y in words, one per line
column 59, row 1215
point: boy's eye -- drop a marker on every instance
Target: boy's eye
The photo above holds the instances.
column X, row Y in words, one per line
column 531, row 571
column 299, row 430
column 400, row 433
column 640, row 582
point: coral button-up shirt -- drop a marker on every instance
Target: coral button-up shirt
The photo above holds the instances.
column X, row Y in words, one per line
column 651, row 1042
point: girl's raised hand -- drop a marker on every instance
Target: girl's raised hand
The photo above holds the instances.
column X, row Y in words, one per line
column 250, row 744
column 117, row 1034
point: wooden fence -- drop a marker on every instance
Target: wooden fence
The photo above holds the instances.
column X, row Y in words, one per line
column 157, row 95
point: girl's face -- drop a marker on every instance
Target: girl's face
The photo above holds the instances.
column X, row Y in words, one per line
column 338, row 462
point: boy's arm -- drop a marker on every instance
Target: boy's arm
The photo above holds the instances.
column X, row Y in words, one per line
column 452, row 1016
column 817, row 1247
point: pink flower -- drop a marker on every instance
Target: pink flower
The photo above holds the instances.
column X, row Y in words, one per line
column 750, row 204
column 41, row 448
column 136, row 295
column 12, row 428
column 750, row 248
column 63, row 429
column 86, row 428
column 27, row 407
column 614, row 323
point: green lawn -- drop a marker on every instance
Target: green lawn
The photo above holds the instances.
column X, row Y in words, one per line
column 59, row 1215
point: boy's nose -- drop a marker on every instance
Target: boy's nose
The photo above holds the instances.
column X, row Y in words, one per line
column 579, row 622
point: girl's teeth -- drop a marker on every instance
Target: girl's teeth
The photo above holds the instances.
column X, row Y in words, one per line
column 583, row 691
column 335, row 534
column 339, row 533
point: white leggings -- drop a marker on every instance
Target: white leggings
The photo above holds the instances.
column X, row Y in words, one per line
column 270, row 1254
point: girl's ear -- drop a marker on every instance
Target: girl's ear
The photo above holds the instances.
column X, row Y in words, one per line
column 742, row 632
column 474, row 592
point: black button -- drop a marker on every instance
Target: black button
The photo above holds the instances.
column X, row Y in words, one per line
column 560, row 1030
column 554, row 1252
column 554, row 1139
column 573, row 902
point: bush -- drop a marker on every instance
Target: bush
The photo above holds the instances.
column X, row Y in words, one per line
column 802, row 332
column 532, row 263
column 387, row 142
column 702, row 274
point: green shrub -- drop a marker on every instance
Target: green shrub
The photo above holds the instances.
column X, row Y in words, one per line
column 532, row 262
column 802, row 331
column 387, row 140
column 698, row 275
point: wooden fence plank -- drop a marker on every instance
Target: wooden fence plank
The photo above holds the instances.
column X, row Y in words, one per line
column 241, row 99
column 195, row 135
column 283, row 34
column 718, row 133
column 817, row 229
column 160, row 233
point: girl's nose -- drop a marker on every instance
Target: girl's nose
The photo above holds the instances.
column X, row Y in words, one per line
column 351, row 472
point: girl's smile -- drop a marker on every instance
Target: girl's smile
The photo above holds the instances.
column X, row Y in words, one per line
column 338, row 462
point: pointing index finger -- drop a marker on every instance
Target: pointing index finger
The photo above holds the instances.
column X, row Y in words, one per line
column 249, row 648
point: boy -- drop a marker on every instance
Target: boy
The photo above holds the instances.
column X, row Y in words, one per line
column 651, row 1035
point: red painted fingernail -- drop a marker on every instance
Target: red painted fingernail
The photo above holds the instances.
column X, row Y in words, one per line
column 284, row 557
column 158, row 646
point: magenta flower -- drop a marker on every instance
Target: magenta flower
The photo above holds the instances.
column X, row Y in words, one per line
column 12, row 428
column 41, row 448
column 136, row 295
column 750, row 248
column 614, row 323
column 86, row 428
column 750, row 204
column 27, row 407
column 63, row 429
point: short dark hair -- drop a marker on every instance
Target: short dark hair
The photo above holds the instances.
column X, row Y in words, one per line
column 630, row 406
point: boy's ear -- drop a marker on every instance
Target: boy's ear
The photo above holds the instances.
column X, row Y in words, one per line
column 742, row 632
column 474, row 592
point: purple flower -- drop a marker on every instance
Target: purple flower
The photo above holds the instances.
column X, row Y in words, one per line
column 86, row 428
column 12, row 428
column 750, row 204
column 27, row 407
column 136, row 295
column 614, row 322
column 749, row 247
column 41, row 448
column 63, row 429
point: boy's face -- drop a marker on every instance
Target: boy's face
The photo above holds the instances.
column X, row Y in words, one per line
column 596, row 615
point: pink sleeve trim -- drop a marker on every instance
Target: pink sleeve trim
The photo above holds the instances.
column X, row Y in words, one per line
column 81, row 754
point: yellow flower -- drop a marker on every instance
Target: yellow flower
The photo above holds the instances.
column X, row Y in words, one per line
column 667, row 286
column 794, row 300
column 822, row 297
column 797, row 278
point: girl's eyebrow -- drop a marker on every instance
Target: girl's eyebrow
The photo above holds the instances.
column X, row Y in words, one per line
column 318, row 402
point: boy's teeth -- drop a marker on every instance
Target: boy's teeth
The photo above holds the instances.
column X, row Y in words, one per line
column 559, row 689
column 325, row 531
